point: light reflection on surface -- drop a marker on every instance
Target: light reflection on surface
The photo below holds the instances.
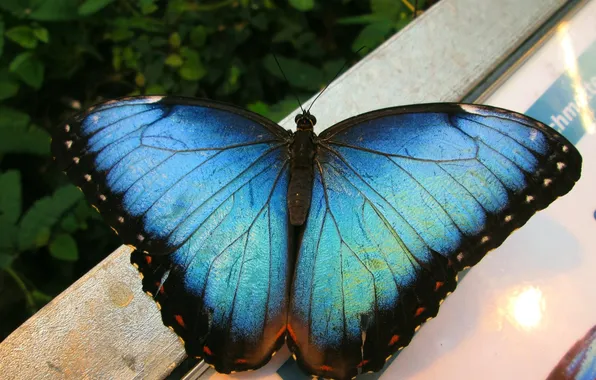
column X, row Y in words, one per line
column 579, row 92
column 525, row 307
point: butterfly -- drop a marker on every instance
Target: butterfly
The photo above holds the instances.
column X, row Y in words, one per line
column 579, row 363
column 341, row 244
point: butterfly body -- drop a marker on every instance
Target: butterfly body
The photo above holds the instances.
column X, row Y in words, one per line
column 303, row 150
column 391, row 204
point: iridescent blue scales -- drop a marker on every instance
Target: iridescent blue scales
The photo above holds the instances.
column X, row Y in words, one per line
column 402, row 199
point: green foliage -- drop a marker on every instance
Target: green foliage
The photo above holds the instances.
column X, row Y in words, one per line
column 17, row 135
column 303, row 5
column 63, row 247
column 91, row 6
column 37, row 223
column 58, row 56
column 29, row 68
column 387, row 17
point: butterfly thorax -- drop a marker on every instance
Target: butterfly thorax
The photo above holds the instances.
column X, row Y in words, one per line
column 302, row 155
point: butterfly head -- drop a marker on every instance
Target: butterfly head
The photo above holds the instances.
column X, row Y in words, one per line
column 305, row 121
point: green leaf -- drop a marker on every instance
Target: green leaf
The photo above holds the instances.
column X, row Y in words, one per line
column 63, row 247
column 69, row 223
column 198, row 36
column 299, row 74
column 174, row 40
column 40, row 297
column 147, row 6
column 42, row 216
column 10, row 196
column 1, row 37
column 331, row 68
column 8, row 87
column 362, row 19
column 260, row 108
column 42, row 34
column 10, row 117
column 389, row 9
column 372, row 35
column 174, row 60
column 155, row 89
column 28, row 68
column 92, row 6
column 5, row 260
column 42, row 10
column 8, row 237
column 303, row 5
column 117, row 58
column 193, row 68
column 24, row 139
column 279, row 110
column 22, row 35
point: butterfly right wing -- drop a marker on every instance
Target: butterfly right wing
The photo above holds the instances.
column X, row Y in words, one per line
column 403, row 199
column 201, row 188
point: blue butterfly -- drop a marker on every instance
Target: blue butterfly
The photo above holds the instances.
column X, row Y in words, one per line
column 340, row 244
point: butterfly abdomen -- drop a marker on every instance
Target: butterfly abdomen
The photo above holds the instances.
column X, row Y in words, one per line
column 301, row 176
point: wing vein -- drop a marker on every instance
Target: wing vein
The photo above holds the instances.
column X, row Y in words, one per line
column 267, row 152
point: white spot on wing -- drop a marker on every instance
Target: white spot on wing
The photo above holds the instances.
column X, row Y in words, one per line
column 153, row 99
column 469, row 108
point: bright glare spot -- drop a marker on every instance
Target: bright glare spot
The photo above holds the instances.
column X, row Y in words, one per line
column 526, row 307
column 580, row 94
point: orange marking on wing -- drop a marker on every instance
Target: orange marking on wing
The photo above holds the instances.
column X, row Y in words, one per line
column 180, row 320
column 280, row 333
column 419, row 311
column 241, row 361
column 393, row 340
column 148, row 259
column 159, row 287
column 362, row 363
column 291, row 332
column 438, row 285
column 325, row 368
column 207, row 351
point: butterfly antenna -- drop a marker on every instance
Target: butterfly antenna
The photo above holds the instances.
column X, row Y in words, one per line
column 334, row 78
column 288, row 82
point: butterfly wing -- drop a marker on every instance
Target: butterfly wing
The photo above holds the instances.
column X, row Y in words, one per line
column 206, row 184
column 403, row 199
column 579, row 363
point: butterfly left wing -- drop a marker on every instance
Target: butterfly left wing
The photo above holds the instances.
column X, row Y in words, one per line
column 403, row 199
column 201, row 188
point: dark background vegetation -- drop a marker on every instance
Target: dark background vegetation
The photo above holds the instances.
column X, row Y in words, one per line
column 59, row 56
